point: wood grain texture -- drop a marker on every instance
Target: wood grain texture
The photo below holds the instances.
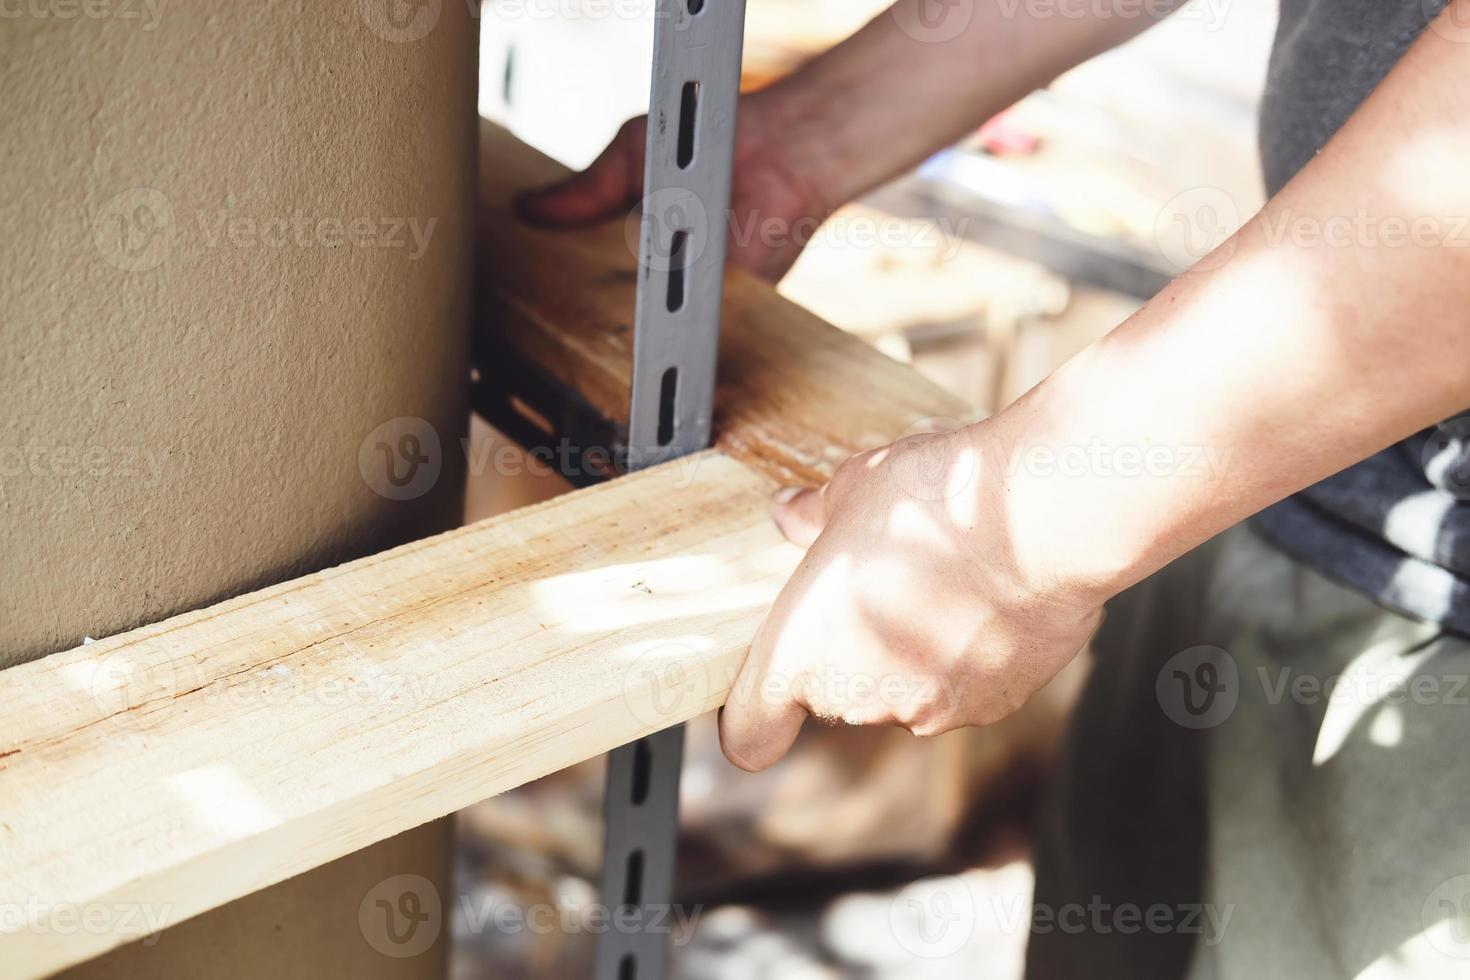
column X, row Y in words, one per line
column 795, row 395
column 164, row 771
column 170, row 769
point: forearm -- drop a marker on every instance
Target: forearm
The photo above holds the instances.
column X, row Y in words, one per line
column 922, row 74
column 1335, row 323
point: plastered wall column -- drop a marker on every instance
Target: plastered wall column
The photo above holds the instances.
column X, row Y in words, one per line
column 235, row 286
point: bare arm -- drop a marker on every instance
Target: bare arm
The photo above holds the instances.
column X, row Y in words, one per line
column 911, row 82
column 1335, row 323
column 924, row 72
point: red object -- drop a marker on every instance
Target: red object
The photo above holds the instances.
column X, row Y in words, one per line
column 1002, row 135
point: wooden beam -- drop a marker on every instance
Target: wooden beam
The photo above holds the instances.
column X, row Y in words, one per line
column 157, row 774
column 165, row 771
column 795, row 395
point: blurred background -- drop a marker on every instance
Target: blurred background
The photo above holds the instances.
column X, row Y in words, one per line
column 986, row 268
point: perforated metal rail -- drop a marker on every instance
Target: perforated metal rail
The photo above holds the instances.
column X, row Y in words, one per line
column 691, row 138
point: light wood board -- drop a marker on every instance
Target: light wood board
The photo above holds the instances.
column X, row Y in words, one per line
column 795, row 395
column 154, row 775
column 165, row 771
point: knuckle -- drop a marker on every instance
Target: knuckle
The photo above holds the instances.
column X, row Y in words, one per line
column 846, row 476
column 849, row 468
column 631, row 132
column 867, row 716
column 923, row 716
column 932, row 727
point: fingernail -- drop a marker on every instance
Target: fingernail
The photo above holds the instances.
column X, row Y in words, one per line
column 785, row 494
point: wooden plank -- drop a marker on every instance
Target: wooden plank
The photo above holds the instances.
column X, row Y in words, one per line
column 165, row 771
column 160, row 773
column 795, row 396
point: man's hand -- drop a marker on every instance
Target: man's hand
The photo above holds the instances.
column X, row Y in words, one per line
column 774, row 202
column 911, row 607
column 875, row 105
column 950, row 576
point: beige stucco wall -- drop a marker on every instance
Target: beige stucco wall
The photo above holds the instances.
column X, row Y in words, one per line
column 380, row 914
column 213, row 293
column 236, row 243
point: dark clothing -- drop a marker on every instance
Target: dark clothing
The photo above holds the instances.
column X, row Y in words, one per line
column 1397, row 525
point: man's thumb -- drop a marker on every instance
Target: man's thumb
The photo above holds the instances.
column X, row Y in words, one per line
column 606, row 188
column 800, row 514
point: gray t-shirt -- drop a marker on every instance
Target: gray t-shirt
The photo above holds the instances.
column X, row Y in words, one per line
column 1396, row 525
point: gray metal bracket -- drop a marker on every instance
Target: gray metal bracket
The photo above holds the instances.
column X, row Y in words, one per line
column 641, row 829
column 681, row 260
column 681, row 273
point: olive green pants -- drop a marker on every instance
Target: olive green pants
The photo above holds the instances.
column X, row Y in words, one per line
column 1267, row 775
